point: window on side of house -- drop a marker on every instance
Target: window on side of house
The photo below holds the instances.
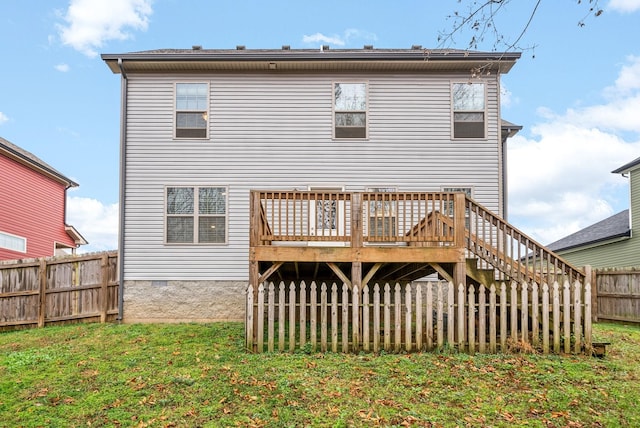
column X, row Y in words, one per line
column 469, row 110
column 192, row 110
column 196, row 215
column 13, row 242
column 350, row 110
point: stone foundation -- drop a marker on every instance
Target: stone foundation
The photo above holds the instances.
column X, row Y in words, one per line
column 184, row 301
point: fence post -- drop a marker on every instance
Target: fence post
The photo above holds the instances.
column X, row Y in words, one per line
column 355, row 318
column 260, row 318
column 408, row 315
column 587, row 320
column 42, row 277
column 590, row 276
column 249, row 319
column 104, row 290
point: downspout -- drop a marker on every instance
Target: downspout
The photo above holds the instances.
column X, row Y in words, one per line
column 123, row 146
column 505, row 184
column 502, row 186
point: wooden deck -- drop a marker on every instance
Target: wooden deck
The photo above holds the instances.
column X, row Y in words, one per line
column 374, row 237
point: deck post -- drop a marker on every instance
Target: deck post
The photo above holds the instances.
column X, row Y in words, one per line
column 254, row 266
column 459, row 219
column 459, row 230
column 356, row 220
column 254, row 216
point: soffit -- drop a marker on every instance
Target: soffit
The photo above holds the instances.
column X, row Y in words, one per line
column 169, row 61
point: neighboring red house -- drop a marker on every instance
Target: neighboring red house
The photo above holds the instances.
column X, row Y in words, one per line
column 33, row 199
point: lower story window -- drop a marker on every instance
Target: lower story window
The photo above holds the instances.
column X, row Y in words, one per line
column 196, row 215
column 13, row 242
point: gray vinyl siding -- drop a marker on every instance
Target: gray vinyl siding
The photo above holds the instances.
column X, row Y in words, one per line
column 275, row 132
column 619, row 254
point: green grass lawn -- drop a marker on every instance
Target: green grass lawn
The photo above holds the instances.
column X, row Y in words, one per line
column 199, row 375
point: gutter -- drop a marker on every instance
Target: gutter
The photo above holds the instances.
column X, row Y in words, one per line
column 312, row 55
column 597, row 243
column 123, row 144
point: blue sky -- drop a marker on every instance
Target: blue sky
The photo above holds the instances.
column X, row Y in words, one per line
column 578, row 98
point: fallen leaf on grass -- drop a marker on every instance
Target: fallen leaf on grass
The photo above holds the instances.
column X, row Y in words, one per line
column 508, row 417
column 40, row 393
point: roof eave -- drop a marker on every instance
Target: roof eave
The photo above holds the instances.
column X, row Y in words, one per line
column 73, row 233
column 464, row 60
column 29, row 160
column 596, row 243
column 627, row 167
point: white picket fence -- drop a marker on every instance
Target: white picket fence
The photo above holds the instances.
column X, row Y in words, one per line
column 419, row 317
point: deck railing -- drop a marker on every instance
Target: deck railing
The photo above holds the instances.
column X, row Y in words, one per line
column 402, row 218
column 505, row 249
column 411, row 219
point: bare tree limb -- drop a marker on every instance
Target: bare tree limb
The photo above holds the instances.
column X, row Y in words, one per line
column 480, row 19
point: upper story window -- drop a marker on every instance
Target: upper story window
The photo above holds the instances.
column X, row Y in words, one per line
column 192, row 110
column 350, row 110
column 469, row 112
column 13, row 242
column 196, row 215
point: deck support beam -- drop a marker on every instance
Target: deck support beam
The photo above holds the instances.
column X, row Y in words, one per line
column 344, row 278
column 274, row 267
column 370, row 274
column 442, row 272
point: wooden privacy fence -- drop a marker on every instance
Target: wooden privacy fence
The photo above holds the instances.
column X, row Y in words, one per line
column 419, row 317
column 37, row 292
column 618, row 294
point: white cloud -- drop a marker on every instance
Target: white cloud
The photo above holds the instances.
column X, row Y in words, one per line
column 628, row 79
column 625, row 5
column 97, row 223
column 560, row 180
column 339, row 40
column 3, row 118
column 319, row 37
column 90, row 23
column 63, row 68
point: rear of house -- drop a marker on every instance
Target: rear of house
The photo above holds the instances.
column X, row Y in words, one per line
column 202, row 128
column 33, row 210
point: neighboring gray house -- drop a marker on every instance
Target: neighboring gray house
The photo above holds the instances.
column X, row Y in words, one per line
column 201, row 128
column 613, row 242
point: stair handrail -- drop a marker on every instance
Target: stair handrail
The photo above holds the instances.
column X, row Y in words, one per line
column 536, row 256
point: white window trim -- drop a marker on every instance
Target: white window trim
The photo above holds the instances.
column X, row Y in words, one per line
column 175, row 110
column 11, row 235
column 195, row 216
column 457, row 189
column 484, row 112
column 333, row 110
